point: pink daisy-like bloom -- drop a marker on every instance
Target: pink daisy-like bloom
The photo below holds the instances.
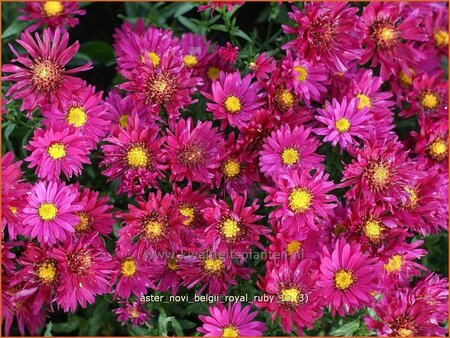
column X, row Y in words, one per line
column 347, row 277
column 401, row 314
column 52, row 14
column 344, row 122
column 120, row 110
column 152, row 224
column 295, row 296
column 217, row 5
column 190, row 203
column 51, row 212
column 85, row 267
column 436, row 25
column 287, row 149
column 301, row 199
column 14, row 195
column 41, row 76
column 133, row 155
column 55, row 150
column 434, row 290
column 193, row 152
column 262, row 67
column 84, row 111
column 259, row 127
column 389, row 36
column 133, row 273
column 233, row 321
column 235, row 228
column 234, row 99
column 134, row 312
column 96, row 215
column 167, row 273
column 306, row 79
column 229, row 53
column 170, row 85
column 195, row 49
column 327, row 32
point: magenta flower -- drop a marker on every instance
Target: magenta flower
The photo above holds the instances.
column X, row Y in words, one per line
column 344, row 122
column 52, row 14
column 41, row 77
column 327, row 32
column 229, row 54
column 121, row 110
column 215, row 5
column 195, row 49
column 287, row 150
column 233, row 321
column 136, row 313
column 51, row 212
column 436, row 25
column 262, row 67
column 55, row 150
column 234, row 99
column 347, row 277
column 193, row 152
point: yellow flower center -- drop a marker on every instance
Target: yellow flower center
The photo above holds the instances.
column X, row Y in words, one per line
column 232, row 104
column 56, row 151
column 13, row 209
column 230, row 229
column 190, row 61
column 405, row 79
column 342, row 125
column 53, row 8
column 403, row 332
column 123, row 120
column 299, row 200
column 284, row 99
column 47, row 75
column 293, row 247
column 213, row 73
column 343, row 279
column 212, row 265
column 441, row 38
column 302, row 73
column 378, row 174
column 413, row 198
column 134, row 313
column 373, row 229
column 84, row 225
column 137, row 157
column 77, row 117
column 187, row 211
column 290, row 295
column 46, row 271
column 172, row 264
column 230, row 331
column 128, row 267
column 290, row 156
column 438, row 149
column 252, row 66
column 429, row 101
column 47, row 211
column 154, row 58
column 231, row 168
column 394, row 263
column 387, row 34
column 364, row 101
column 153, row 229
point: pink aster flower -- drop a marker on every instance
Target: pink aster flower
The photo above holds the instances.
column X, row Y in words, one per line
column 134, row 312
column 229, row 54
column 389, row 36
column 301, row 199
column 234, row 99
column 347, row 277
column 190, row 202
column 41, row 76
column 193, row 152
column 306, row 79
column 327, row 32
column 169, row 85
column 233, row 321
column 217, row 5
column 85, row 267
column 262, row 67
column 133, row 273
column 287, row 149
column 52, row 14
column 233, row 229
column 121, row 110
column 195, row 49
column 14, row 195
column 295, row 298
column 436, row 25
column 84, row 111
column 133, row 155
column 434, row 290
column 50, row 214
column 344, row 122
column 55, row 150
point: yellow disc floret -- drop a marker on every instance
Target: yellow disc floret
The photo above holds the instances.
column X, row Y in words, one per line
column 232, row 104
column 343, row 279
column 46, row 271
column 128, row 268
column 52, row 8
column 293, row 247
column 187, row 211
column 373, row 229
column 230, row 331
column 137, row 157
column 231, row 168
column 290, row 295
column 190, row 61
column 77, row 117
column 230, row 229
column 302, row 73
column 212, row 265
column 429, row 101
column 342, row 125
column 441, row 38
column 47, row 211
column 213, row 73
column 299, row 200
column 56, row 151
column 394, row 264
column 364, row 101
column 290, row 156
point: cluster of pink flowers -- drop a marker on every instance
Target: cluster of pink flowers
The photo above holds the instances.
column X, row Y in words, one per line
column 343, row 242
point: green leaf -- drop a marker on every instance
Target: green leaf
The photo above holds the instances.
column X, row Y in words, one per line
column 221, row 28
column 347, row 329
column 48, row 330
column 188, row 24
column 177, row 327
column 15, row 28
column 183, row 8
column 8, row 130
column 98, row 51
column 243, row 35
